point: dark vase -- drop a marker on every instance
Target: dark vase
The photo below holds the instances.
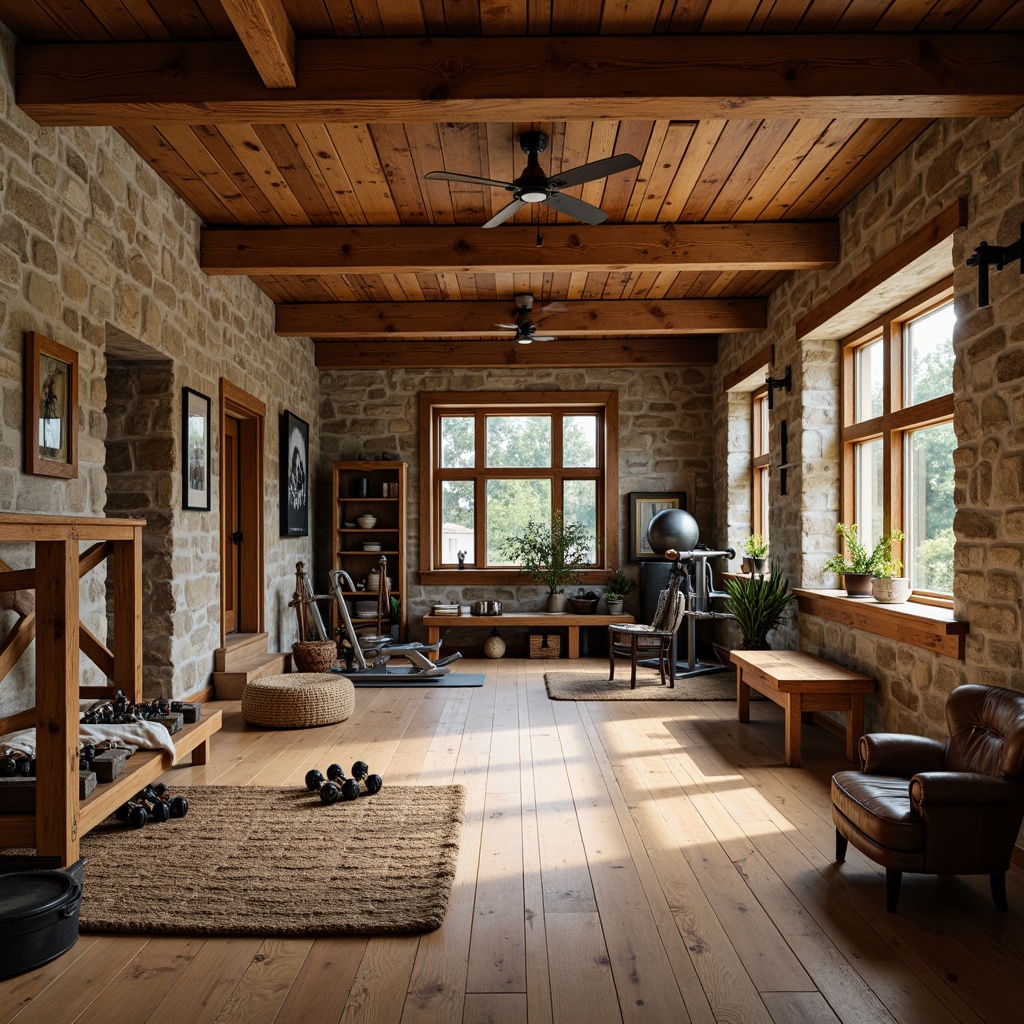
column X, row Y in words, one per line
column 360, row 487
column 858, row 584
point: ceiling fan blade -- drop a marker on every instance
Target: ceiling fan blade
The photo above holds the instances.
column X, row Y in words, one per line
column 508, row 327
column 543, row 337
column 554, row 307
column 469, row 178
column 576, row 208
column 597, row 169
column 503, row 215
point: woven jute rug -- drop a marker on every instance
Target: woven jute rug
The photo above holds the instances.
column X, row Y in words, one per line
column 591, row 686
column 253, row 860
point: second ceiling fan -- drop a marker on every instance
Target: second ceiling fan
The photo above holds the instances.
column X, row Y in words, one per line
column 534, row 186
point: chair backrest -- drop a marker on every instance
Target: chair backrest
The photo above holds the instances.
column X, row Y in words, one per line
column 986, row 731
column 668, row 616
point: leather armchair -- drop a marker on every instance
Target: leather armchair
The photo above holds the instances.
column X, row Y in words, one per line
column 920, row 805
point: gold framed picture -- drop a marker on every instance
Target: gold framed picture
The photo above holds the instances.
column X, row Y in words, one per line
column 51, row 407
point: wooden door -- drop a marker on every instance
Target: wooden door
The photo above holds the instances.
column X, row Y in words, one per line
column 231, row 584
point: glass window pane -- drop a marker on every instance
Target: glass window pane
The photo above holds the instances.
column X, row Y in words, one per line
column 868, row 381
column 458, row 442
column 928, row 474
column 511, row 504
column 760, row 407
column 579, row 441
column 928, row 351
column 868, row 492
column 457, row 521
column 519, row 441
column 760, row 520
column 579, row 504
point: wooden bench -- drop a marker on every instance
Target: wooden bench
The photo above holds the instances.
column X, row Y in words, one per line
column 802, row 683
column 544, row 620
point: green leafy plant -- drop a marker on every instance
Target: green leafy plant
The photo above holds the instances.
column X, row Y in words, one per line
column 755, row 546
column 758, row 603
column 619, row 586
column 396, row 610
column 877, row 562
column 553, row 554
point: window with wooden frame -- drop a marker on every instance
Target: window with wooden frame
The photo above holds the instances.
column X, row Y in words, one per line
column 759, row 462
column 898, row 439
column 491, row 462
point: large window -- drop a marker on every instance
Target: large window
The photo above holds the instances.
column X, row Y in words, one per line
column 494, row 462
column 898, row 438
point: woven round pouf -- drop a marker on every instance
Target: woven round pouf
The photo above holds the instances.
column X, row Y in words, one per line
column 298, row 700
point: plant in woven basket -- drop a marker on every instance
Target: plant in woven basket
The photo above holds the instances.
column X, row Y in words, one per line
column 758, row 603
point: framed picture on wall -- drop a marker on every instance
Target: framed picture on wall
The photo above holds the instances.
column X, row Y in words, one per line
column 643, row 507
column 294, row 476
column 51, row 407
column 195, row 450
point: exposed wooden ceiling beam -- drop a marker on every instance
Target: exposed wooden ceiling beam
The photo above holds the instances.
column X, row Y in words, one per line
column 571, row 319
column 429, row 355
column 888, row 75
column 789, row 245
column 268, row 37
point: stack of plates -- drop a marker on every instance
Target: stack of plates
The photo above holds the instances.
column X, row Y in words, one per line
column 371, row 546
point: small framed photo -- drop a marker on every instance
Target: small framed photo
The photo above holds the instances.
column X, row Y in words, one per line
column 195, row 450
column 294, row 476
column 51, row 408
column 643, row 507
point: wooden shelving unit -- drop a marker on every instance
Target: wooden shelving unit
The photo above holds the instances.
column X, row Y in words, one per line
column 389, row 530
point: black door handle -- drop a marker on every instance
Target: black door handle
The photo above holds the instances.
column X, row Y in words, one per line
column 236, row 537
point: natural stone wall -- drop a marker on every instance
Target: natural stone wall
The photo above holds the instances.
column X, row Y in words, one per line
column 980, row 159
column 93, row 245
column 664, row 445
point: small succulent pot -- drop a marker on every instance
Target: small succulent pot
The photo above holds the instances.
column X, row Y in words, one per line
column 615, row 606
column 890, row 589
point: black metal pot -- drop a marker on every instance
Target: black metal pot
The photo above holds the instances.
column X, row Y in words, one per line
column 38, row 917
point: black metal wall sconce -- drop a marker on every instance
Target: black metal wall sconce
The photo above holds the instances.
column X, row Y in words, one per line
column 778, row 384
column 997, row 256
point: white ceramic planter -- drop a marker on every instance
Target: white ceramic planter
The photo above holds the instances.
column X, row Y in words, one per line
column 895, row 590
column 614, row 607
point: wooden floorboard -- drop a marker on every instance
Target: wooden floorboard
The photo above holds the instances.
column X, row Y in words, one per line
column 638, row 861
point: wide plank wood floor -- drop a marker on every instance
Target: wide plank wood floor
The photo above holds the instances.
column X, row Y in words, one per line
column 620, row 862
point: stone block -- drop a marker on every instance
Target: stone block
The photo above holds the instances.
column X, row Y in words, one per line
column 18, row 794
column 110, row 764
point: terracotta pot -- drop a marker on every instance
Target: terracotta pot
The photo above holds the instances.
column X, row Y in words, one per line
column 890, row 590
column 858, row 584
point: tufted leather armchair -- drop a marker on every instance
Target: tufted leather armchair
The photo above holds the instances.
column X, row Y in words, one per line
column 939, row 808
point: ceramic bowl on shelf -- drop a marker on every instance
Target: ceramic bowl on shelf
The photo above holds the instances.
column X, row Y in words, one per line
column 367, row 522
column 371, row 546
column 349, row 525
column 365, row 609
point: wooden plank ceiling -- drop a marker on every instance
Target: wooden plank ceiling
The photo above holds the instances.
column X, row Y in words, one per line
column 300, row 132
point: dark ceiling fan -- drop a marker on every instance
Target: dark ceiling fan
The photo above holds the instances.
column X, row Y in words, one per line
column 534, row 186
column 524, row 327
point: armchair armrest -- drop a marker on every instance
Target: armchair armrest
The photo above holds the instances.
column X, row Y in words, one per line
column 894, row 753
column 929, row 790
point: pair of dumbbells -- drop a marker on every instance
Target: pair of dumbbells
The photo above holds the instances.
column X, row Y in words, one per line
column 154, row 803
column 17, row 762
column 337, row 787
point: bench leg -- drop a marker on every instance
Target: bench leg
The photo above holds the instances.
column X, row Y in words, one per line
column 201, row 753
column 794, row 719
column 574, row 642
column 742, row 697
column 854, row 726
column 433, row 635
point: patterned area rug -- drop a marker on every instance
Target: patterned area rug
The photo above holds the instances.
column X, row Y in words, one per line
column 588, row 686
column 255, row 860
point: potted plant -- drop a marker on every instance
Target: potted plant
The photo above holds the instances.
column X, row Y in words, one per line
column 758, row 602
column 552, row 555
column 888, row 585
column 858, row 567
column 617, row 589
column 756, row 549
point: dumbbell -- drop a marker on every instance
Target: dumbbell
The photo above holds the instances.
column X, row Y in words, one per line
column 361, row 771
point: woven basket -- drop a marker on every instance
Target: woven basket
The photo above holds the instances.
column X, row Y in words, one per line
column 314, row 655
column 298, row 700
column 545, row 645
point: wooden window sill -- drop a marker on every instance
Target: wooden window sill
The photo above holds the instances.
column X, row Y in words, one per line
column 470, row 577
column 921, row 625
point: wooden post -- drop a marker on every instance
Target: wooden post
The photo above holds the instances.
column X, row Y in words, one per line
column 128, row 615
column 57, row 670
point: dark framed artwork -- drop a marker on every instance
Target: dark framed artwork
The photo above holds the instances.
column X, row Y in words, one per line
column 294, row 476
column 51, row 407
column 195, row 450
column 643, row 507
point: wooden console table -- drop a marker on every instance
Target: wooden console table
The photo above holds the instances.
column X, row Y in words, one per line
column 545, row 620
column 802, row 683
column 46, row 598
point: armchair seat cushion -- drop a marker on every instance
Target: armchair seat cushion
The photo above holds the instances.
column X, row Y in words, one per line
column 879, row 807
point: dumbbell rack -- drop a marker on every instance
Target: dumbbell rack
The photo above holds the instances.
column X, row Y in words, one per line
column 46, row 597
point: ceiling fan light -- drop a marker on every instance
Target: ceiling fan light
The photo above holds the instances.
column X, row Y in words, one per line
column 535, row 196
column 525, row 339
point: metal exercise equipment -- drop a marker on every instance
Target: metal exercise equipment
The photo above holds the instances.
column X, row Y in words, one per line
column 673, row 534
